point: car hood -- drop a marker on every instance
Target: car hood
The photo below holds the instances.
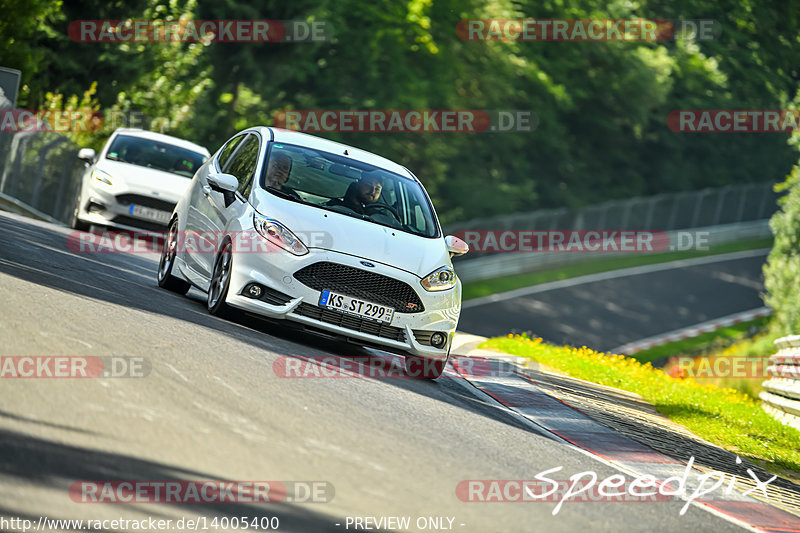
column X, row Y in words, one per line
column 322, row 229
column 145, row 181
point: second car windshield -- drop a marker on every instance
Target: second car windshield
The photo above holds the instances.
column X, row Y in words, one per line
column 155, row 154
column 338, row 183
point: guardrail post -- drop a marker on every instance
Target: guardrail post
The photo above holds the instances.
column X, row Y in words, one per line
column 764, row 200
column 697, row 205
column 722, row 193
column 18, row 145
column 37, row 185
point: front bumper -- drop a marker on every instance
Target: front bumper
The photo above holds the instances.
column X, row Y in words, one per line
column 102, row 208
column 275, row 270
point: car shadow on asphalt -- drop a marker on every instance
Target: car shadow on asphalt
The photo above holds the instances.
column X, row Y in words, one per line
column 46, row 465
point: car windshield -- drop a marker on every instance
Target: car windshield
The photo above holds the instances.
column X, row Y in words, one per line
column 155, row 154
column 338, row 183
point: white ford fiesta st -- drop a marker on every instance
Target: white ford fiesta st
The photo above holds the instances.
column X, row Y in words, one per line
column 338, row 240
column 135, row 181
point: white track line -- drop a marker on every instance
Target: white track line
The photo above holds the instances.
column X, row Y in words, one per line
column 620, row 467
column 690, row 331
column 612, row 274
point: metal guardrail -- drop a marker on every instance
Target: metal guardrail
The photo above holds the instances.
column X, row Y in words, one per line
column 663, row 212
column 505, row 264
column 40, row 175
column 781, row 394
column 732, row 212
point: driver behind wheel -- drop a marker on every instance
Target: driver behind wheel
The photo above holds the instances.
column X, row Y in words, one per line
column 365, row 191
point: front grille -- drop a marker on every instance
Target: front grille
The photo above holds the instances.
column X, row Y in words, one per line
column 139, row 223
column 145, row 201
column 361, row 284
column 379, row 329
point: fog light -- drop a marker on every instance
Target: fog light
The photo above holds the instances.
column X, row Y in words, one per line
column 93, row 206
column 438, row 340
column 254, row 291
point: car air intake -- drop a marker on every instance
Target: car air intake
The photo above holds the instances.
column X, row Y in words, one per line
column 362, row 284
column 354, row 323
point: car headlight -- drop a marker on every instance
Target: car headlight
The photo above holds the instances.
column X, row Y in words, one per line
column 102, row 177
column 278, row 234
column 440, row 279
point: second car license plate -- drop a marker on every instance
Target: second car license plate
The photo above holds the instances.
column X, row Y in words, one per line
column 148, row 212
column 354, row 306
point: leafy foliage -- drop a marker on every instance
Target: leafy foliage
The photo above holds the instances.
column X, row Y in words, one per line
column 601, row 107
column 782, row 271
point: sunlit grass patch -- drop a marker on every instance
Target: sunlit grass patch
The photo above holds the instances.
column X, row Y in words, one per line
column 723, row 416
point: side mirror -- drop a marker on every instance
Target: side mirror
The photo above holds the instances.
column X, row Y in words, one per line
column 224, row 183
column 455, row 246
column 87, row 154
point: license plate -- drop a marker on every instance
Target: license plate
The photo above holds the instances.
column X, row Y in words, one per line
column 150, row 213
column 354, row 306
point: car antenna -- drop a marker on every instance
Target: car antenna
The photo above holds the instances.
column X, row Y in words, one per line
column 345, row 152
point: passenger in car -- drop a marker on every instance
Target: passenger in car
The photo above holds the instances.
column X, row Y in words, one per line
column 280, row 166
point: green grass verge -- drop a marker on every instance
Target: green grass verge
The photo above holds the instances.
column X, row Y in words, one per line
column 740, row 360
column 475, row 289
column 703, row 344
column 725, row 417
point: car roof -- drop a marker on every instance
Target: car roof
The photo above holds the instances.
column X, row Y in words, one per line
column 177, row 141
column 318, row 143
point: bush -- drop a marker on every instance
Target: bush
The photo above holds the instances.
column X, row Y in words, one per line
column 782, row 271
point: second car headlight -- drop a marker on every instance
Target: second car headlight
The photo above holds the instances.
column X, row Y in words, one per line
column 102, row 177
column 278, row 234
column 440, row 279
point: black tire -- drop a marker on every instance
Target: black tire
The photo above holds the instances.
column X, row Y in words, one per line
column 77, row 223
column 423, row 368
column 165, row 278
column 220, row 282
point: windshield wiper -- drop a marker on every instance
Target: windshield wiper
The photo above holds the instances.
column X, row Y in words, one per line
column 285, row 195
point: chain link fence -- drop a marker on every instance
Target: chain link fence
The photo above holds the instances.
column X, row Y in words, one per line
column 40, row 174
column 665, row 212
column 725, row 214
